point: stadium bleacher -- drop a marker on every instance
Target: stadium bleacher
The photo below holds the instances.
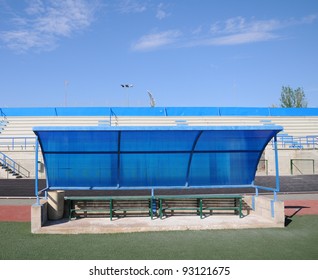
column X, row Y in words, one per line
column 17, row 139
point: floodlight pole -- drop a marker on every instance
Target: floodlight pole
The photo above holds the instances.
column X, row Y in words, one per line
column 127, row 86
column 65, row 92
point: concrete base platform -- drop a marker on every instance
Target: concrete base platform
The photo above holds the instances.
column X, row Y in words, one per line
column 145, row 224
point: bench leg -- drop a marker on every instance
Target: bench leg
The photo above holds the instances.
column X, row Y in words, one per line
column 70, row 210
column 201, row 208
column 70, row 215
column 160, row 209
column 111, row 209
column 150, row 209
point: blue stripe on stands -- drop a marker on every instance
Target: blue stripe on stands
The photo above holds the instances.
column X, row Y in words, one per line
column 157, row 111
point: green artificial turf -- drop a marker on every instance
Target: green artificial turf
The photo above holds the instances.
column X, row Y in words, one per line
column 299, row 240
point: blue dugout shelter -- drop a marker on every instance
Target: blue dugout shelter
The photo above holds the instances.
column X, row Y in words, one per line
column 108, row 158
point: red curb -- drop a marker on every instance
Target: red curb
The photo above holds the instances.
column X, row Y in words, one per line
column 301, row 207
column 14, row 213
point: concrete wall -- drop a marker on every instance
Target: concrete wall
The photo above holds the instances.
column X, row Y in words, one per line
column 304, row 161
column 38, row 215
column 265, row 207
column 48, row 209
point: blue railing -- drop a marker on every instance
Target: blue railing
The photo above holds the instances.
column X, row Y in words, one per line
column 286, row 141
column 13, row 167
column 17, row 142
column 2, row 114
column 3, row 123
column 3, row 120
column 113, row 119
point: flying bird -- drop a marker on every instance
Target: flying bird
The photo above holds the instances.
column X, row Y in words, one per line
column 126, row 85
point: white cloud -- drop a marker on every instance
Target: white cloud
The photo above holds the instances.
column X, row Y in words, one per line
column 197, row 30
column 241, row 38
column 44, row 22
column 131, row 6
column 161, row 13
column 239, row 30
column 156, row 40
column 232, row 31
column 35, row 7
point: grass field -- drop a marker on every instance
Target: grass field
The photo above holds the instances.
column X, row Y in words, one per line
column 299, row 240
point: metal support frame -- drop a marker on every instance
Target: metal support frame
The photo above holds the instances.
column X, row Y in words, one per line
column 187, row 175
column 191, row 156
column 118, row 159
column 153, row 202
column 277, row 189
column 277, row 182
column 37, row 171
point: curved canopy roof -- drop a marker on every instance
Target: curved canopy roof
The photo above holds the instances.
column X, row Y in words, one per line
column 152, row 157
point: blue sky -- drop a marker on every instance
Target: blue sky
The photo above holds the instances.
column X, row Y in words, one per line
column 186, row 52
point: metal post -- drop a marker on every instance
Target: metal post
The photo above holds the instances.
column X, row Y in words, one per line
column 273, row 208
column 118, row 159
column 36, row 171
column 276, row 166
column 153, row 203
column 291, row 167
column 46, row 190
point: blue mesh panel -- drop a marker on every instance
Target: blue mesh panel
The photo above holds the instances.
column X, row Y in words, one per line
column 153, row 169
column 152, row 157
column 81, row 170
column 223, row 168
column 79, row 141
column 157, row 141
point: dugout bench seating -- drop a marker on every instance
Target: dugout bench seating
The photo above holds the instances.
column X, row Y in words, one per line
column 109, row 205
column 202, row 204
column 160, row 205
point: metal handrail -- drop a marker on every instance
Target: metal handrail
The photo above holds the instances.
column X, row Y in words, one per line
column 2, row 114
column 297, row 142
column 111, row 116
column 15, row 141
column 13, row 165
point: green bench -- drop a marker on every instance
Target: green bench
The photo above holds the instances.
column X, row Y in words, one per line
column 183, row 203
column 116, row 205
column 124, row 204
column 83, row 205
column 201, row 204
column 109, row 205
